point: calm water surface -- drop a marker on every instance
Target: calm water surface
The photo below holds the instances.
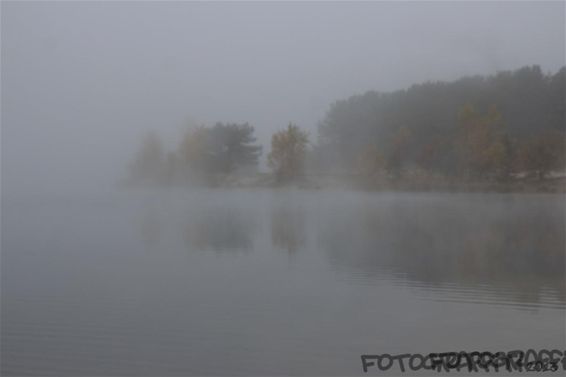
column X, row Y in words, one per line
column 273, row 282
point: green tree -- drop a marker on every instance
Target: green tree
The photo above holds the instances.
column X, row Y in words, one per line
column 230, row 146
column 220, row 149
column 288, row 151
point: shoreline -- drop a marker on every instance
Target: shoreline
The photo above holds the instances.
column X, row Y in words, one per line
column 554, row 185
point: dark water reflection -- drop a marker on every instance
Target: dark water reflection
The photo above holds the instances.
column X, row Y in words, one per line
column 268, row 282
column 511, row 247
column 219, row 229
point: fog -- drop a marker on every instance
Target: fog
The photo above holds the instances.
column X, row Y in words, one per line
column 82, row 82
column 274, row 282
column 244, row 188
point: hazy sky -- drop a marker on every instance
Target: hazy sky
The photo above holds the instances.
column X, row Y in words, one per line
column 81, row 81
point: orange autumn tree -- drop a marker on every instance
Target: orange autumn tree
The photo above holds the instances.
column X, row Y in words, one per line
column 288, row 152
column 483, row 145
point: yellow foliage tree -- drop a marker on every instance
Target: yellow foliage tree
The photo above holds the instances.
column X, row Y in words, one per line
column 288, row 151
column 482, row 143
column 370, row 161
column 192, row 149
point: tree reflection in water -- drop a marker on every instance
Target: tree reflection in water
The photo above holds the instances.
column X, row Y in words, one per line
column 500, row 247
column 219, row 229
column 288, row 228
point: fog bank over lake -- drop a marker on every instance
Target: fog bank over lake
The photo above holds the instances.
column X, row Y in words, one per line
column 252, row 189
column 83, row 81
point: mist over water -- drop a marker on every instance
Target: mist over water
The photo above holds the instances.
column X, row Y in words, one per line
column 208, row 266
column 83, row 82
column 217, row 282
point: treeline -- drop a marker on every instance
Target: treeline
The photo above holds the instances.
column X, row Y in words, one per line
column 202, row 153
column 206, row 155
column 493, row 128
column 473, row 128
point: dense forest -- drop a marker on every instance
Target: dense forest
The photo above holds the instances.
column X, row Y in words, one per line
column 512, row 121
column 480, row 128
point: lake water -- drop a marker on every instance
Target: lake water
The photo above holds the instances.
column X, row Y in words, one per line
column 274, row 282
